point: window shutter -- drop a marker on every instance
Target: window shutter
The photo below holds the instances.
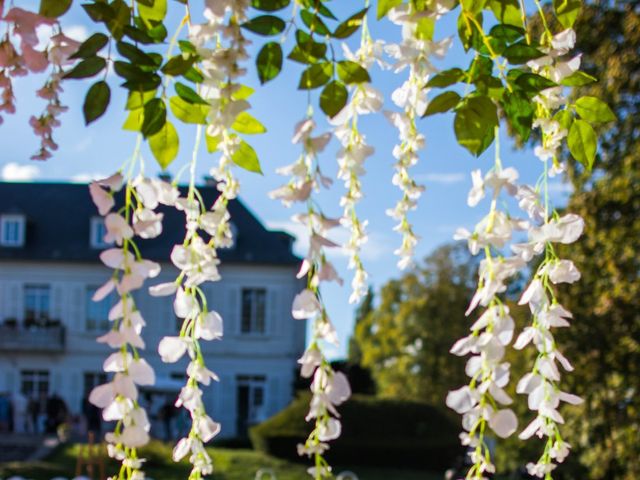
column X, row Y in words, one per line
column 57, row 302
column 274, row 317
column 11, row 382
column 232, row 311
column 13, row 302
column 77, row 308
column 273, row 396
column 227, row 415
column 57, row 385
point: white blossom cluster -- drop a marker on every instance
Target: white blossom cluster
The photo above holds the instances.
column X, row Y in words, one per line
column 542, row 383
column 493, row 330
column 351, row 157
column 415, row 53
column 554, row 67
column 329, row 389
column 28, row 58
column 119, row 397
column 221, row 46
column 197, row 262
column 481, row 402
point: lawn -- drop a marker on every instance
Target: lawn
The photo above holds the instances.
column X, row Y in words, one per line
column 229, row 464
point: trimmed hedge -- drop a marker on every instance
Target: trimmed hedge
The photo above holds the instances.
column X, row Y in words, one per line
column 375, row 432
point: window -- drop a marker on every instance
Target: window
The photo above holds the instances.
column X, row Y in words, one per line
column 98, row 231
column 253, row 310
column 250, row 398
column 34, row 383
column 97, row 319
column 92, row 380
column 37, row 301
column 12, row 230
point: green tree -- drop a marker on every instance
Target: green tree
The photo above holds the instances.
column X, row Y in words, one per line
column 604, row 341
column 363, row 310
column 405, row 340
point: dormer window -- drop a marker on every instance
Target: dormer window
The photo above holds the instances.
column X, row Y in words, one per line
column 98, row 231
column 12, row 230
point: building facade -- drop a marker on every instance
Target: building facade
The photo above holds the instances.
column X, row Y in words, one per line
column 50, row 239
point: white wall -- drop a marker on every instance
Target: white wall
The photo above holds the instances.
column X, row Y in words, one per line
column 272, row 355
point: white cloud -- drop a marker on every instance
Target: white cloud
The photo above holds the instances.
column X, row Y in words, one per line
column 442, row 178
column 373, row 250
column 76, row 32
column 87, row 177
column 14, row 172
column 83, row 144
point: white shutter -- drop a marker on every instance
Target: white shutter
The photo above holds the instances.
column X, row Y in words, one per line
column 57, row 302
column 273, row 396
column 77, row 310
column 274, row 318
column 228, row 413
column 232, row 310
column 13, row 301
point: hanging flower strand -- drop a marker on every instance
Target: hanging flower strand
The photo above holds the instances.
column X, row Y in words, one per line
column 196, row 258
column 329, row 389
column 480, row 402
column 414, row 52
column 354, row 152
column 119, row 397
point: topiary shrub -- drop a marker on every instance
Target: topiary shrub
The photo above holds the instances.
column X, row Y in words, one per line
column 375, row 432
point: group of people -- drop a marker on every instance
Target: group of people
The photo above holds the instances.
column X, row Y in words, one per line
column 37, row 414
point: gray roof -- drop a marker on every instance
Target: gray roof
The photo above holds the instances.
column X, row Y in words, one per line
column 58, row 217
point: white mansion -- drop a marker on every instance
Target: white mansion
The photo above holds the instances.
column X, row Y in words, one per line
column 50, row 239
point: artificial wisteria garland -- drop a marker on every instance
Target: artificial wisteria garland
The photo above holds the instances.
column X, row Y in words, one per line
column 511, row 76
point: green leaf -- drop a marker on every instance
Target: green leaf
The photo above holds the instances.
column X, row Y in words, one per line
column 594, row 110
column 188, row 94
column 137, row 99
column 165, row 144
column 314, row 22
column 446, row 78
column 178, row 65
column 385, row 5
column 473, row 6
column 520, row 53
column 350, row 25
column 333, row 98
column 507, row 33
column 134, row 120
column 315, row 76
column 519, row 111
column 425, row 28
column 269, row 61
column 131, row 72
column 564, row 118
column 96, row 101
column 442, row 103
column 187, row 47
column 120, row 18
column 352, row 72
column 54, row 8
column 194, row 75
column 583, row 143
column 474, row 124
column 91, row 46
column 242, row 93
column 270, row 5
column 468, row 32
column 265, row 25
column 507, row 11
column 189, row 112
column 212, row 142
column 155, row 116
column 245, row 157
column 533, row 83
column 578, row 79
column 134, row 54
column 98, row 12
column 567, row 11
column 87, row 68
column 138, row 35
column 247, row 124
column 153, row 14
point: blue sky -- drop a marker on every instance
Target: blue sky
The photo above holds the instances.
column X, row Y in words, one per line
column 443, row 168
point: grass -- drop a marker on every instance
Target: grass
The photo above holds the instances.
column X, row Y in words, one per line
column 229, row 464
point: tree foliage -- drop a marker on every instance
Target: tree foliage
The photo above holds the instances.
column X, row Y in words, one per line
column 405, row 340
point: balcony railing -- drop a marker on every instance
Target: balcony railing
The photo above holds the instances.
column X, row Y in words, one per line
column 48, row 339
